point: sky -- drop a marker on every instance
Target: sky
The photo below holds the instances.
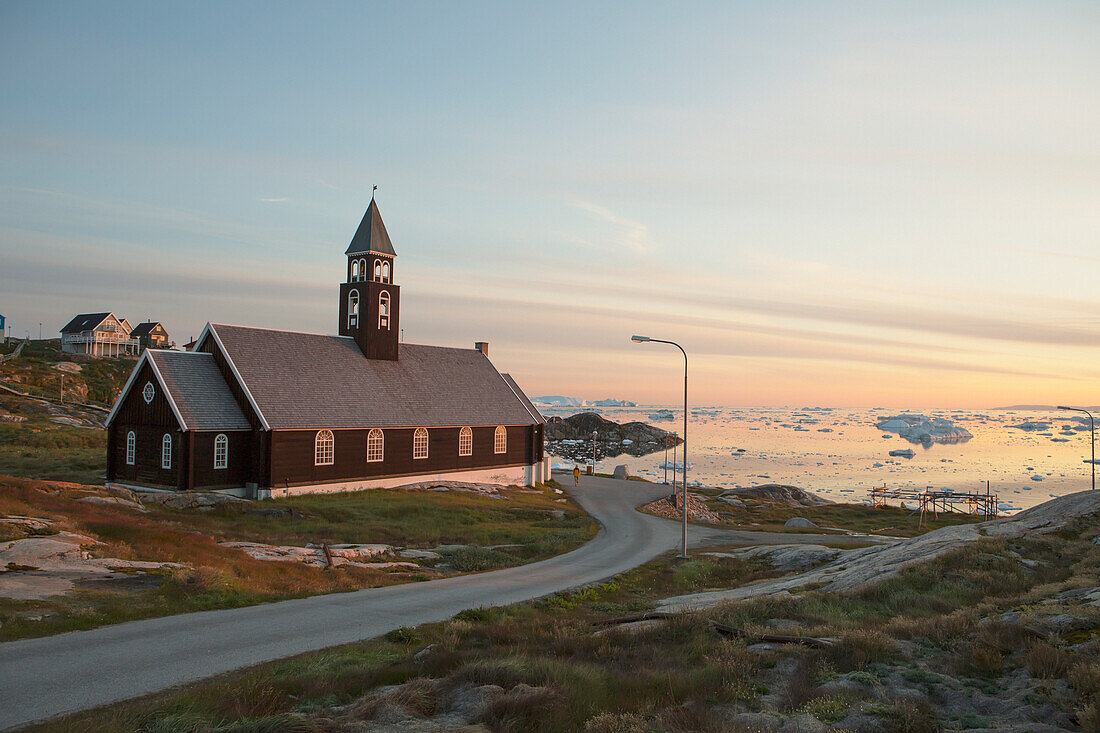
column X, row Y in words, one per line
column 838, row 204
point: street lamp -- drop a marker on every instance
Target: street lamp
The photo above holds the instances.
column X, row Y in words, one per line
column 645, row 339
column 1092, row 427
column 593, row 452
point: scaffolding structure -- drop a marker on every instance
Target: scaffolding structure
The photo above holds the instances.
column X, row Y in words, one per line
column 928, row 500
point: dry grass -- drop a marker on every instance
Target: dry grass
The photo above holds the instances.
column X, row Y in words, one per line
column 764, row 515
column 862, row 647
column 222, row 577
column 1047, row 662
column 681, row 676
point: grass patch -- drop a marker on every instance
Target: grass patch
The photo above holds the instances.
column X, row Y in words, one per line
column 767, row 516
column 557, row 672
column 217, row 577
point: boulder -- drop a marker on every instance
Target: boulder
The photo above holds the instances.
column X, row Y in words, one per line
column 799, row 522
column 785, row 557
column 420, row 555
column 781, row 494
column 621, row 472
column 114, row 501
column 189, row 499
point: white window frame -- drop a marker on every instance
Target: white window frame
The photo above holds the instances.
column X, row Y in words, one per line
column 500, row 440
column 466, row 441
column 148, row 392
column 376, row 446
column 221, row 445
column 131, row 447
column 355, row 271
column 363, row 270
column 353, row 308
column 384, row 310
column 324, row 448
column 420, row 444
column 378, row 270
column 166, row 451
column 386, row 271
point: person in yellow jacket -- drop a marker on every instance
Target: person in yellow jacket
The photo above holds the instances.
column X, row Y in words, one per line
column 576, row 475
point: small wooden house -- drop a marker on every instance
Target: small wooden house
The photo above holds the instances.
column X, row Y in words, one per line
column 150, row 335
column 98, row 334
column 267, row 412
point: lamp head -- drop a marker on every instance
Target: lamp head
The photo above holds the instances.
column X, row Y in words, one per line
column 1063, row 407
column 639, row 339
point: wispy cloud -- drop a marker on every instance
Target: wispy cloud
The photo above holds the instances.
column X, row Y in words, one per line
column 273, row 200
column 630, row 234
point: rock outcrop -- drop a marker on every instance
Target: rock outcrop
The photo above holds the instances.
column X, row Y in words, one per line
column 571, row 437
column 672, row 507
column 780, row 494
column 858, row 568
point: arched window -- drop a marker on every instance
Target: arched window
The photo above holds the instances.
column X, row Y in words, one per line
column 148, row 392
column 500, row 440
column 353, row 309
column 355, row 271
column 324, row 448
column 221, row 451
column 131, row 447
column 385, row 272
column 362, row 269
column 384, row 310
column 420, row 443
column 375, row 446
column 378, row 269
column 465, row 442
column 166, row 451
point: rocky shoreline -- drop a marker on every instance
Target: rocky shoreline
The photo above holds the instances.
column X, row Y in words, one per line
column 571, row 437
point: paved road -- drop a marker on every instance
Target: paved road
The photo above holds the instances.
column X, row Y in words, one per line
column 79, row 670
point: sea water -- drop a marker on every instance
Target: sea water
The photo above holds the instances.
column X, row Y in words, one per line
column 841, row 454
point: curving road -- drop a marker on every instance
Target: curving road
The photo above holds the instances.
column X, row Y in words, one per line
column 84, row 669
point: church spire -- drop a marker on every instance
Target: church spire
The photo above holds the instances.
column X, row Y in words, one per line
column 371, row 237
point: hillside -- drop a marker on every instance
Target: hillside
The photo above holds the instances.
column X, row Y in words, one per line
column 39, row 369
column 1002, row 634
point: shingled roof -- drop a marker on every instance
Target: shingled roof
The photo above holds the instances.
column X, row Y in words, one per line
column 143, row 329
column 312, row 381
column 84, row 322
column 371, row 236
column 200, row 394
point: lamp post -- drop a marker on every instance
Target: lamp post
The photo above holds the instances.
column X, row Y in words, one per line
column 593, row 452
column 644, row 339
column 1092, row 428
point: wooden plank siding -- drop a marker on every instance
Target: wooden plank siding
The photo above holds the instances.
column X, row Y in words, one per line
column 237, row 473
column 149, row 421
column 260, row 440
column 293, row 454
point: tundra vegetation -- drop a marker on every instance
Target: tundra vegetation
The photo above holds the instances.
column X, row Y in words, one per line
column 512, row 527
column 999, row 635
column 766, row 515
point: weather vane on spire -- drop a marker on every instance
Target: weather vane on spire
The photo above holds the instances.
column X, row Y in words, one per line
column 372, row 192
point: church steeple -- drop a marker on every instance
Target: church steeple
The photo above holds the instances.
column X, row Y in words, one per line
column 369, row 300
column 371, row 237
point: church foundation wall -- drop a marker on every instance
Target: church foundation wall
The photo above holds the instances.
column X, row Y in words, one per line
column 505, row 475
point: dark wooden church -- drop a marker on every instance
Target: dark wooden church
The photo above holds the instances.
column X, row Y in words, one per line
column 263, row 412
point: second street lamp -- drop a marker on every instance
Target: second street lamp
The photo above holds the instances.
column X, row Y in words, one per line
column 645, row 339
